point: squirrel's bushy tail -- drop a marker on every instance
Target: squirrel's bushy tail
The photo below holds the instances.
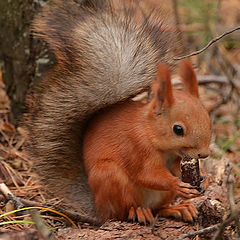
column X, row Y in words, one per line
column 104, row 56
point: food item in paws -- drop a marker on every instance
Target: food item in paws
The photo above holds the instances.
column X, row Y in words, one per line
column 190, row 172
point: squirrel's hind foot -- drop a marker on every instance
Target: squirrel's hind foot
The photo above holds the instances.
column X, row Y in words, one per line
column 141, row 215
column 185, row 210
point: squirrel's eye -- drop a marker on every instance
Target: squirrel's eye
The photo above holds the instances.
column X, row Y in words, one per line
column 178, row 130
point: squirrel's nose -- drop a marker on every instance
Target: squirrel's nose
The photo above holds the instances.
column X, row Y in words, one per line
column 204, row 154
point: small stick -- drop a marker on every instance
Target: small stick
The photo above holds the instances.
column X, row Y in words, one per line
column 45, row 233
column 20, row 203
column 208, row 45
column 154, row 224
column 204, row 230
column 234, row 211
column 9, row 196
column 212, row 79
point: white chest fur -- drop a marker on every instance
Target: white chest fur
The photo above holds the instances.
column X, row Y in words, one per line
column 153, row 198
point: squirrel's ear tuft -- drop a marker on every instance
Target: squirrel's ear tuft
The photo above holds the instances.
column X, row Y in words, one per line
column 189, row 78
column 162, row 90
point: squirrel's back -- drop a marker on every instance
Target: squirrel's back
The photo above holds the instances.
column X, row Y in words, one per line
column 104, row 55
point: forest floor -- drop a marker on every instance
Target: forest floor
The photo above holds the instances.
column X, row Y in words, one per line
column 17, row 174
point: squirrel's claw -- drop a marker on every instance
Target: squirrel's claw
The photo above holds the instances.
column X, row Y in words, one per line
column 185, row 210
column 185, row 190
column 132, row 215
column 142, row 215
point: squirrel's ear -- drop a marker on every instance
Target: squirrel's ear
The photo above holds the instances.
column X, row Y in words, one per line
column 162, row 90
column 189, row 78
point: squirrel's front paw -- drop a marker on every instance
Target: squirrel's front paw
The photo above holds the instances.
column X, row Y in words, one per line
column 185, row 190
column 141, row 214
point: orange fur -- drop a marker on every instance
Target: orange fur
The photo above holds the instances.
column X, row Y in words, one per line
column 132, row 156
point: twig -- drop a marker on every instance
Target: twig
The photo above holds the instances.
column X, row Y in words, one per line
column 204, row 230
column 237, row 200
column 206, row 79
column 223, row 100
column 43, row 231
column 154, row 224
column 230, row 73
column 212, row 79
column 234, row 212
column 20, row 202
column 9, row 196
column 208, row 45
column 81, row 217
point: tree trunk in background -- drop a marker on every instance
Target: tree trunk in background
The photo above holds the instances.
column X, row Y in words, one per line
column 23, row 57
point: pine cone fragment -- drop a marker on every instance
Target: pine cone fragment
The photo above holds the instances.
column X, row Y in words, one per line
column 191, row 172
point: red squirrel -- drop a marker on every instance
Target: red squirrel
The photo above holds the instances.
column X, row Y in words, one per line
column 103, row 154
column 132, row 151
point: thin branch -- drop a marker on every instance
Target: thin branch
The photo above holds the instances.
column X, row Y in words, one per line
column 230, row 72
column 206, row 79
column 9, row 196
column 154, row 224
column 43, row 230
column 20, row 202
column 204, row 230
column 208, row 45
column 237, row 200
column 223, row 100
column 212, row 79
column 234, row 212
